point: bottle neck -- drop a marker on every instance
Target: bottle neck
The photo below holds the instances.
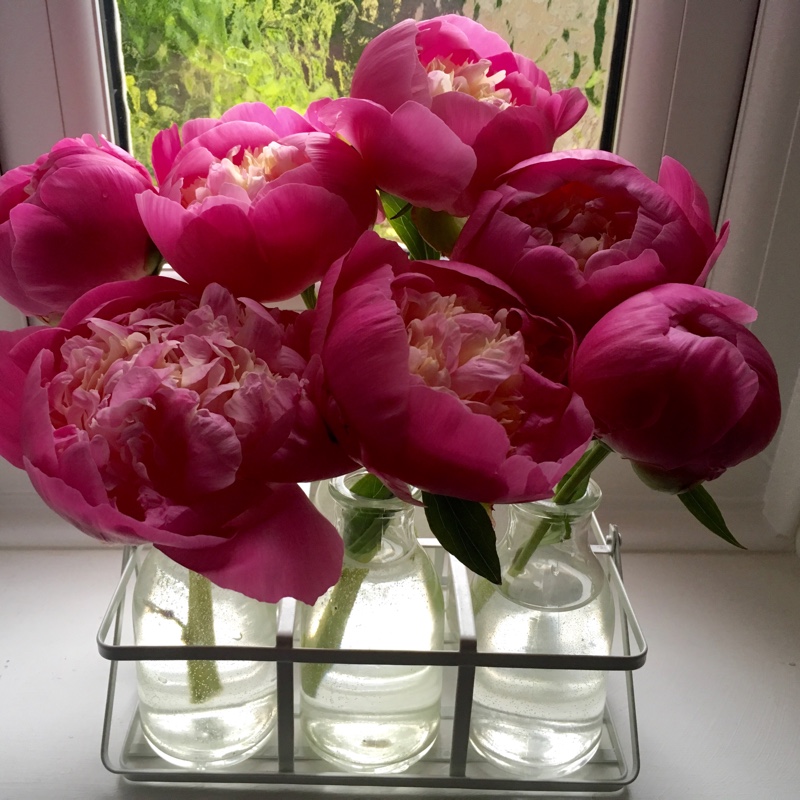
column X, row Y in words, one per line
column 548, row 523
column 374, row 529
column 561, row 571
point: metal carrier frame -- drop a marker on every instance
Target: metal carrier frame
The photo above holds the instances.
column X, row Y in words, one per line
column 450, row 764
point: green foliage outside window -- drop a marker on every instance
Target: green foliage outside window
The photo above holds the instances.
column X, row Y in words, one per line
column 196, row 58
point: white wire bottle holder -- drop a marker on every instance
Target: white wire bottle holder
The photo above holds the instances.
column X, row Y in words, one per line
column 286, row 759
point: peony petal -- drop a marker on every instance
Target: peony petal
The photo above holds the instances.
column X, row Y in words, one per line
column 194, row 128
column 442, row 35
column 388, row 71
column 341, row 171
column 492, row 237
column 108, row 524
column 369, row 251
column 287, row 549
column 463, row 114
column 194, row 451
column 11, row 289
column 166, row 146
column 224, row 137
column 218, row 245
column 14, row 370
column 252, row 112
column 757, row 426
column 36, row 428
column 681, row 299
column 164, row 220
column 135, row 384
column 213, row 453
column 310, row 453
column 58, row 256
column 452, row 451
column 715, row 254
column 376, row 406
column 567, row 108
column 684, row 190
column 13, row 185
column 122, row 295
column 519, row 133
column 79, row 470
column 301, row 231
column 288, row 121
column 410, row 153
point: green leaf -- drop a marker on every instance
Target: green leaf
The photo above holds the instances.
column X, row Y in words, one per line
column 438, row 228
column 397, row 212
column 464, row 529
column 702, row 506
column 362, row 533
column 364, row 527
column 371, row 487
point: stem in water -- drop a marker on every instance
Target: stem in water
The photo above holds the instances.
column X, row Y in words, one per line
column 204, row 680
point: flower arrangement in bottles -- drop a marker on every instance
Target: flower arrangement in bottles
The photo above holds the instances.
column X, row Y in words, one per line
column 542, row 310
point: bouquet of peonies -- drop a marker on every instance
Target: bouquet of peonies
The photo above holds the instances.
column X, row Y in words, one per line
column 543, row 310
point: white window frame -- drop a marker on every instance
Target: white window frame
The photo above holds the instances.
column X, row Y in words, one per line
column 734, row 129
column 748, row 56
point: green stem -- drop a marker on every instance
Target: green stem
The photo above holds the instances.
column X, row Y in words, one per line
column 204, row 680
column 332, row 624
column 572, row 488
column 399, row 217
column 309, row 295
column 362, row 533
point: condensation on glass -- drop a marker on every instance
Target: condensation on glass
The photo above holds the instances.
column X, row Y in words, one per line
column 192, row 58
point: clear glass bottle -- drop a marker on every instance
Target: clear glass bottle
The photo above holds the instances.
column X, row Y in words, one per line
column 201, row 713
column 536, row 722
column 374, row 718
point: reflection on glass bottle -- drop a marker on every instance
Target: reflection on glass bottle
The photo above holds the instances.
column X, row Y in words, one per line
column 536, row 722
column 362, row 717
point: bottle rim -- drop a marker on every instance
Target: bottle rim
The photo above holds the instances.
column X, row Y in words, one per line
column 339, row 489
column 585, row 505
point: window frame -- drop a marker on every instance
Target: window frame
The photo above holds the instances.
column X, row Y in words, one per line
column 53, row 83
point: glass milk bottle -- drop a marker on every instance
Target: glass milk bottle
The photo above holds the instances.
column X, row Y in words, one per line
column 369, row 717
column 542, row 723
column 201, row 713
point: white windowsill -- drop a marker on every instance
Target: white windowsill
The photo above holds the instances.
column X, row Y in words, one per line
column 718, row 698
column 649, row 521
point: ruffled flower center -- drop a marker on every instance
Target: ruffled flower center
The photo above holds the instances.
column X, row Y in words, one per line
column 579, row 220
column 459, row 347
column 244, row 173
column 471, row 77
column 165, row 398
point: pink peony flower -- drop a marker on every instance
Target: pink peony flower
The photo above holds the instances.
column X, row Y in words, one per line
column 155, row 415
column 410, row 152
column 577, row 232
column 677, row 384
column 256, row 201
column 498, row 105
column 69, row 222
column 438, row 378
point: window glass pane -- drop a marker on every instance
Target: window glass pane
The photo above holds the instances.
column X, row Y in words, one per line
column 571, row 40
column 192, row 58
